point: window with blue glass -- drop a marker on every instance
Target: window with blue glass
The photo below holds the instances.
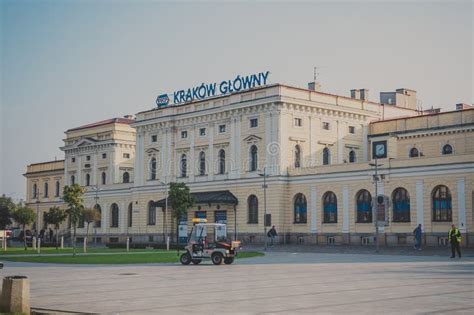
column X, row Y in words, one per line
column 364, row 206
column 300, row 209
column 441, row 204
column 330, row 207
column 200, row 214
column 220, row 216
column 401, row 205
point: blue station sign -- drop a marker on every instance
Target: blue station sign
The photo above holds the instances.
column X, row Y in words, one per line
column 203, row 91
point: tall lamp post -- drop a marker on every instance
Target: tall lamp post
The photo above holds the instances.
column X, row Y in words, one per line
column 96, row 189
column 374, row 203
column 264, row 174
column 165, row 230
column 37, row 210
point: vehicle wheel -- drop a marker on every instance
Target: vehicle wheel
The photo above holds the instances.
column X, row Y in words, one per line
column 196, row 261
column 185, row 259
column 216, row 258
column 228, row 260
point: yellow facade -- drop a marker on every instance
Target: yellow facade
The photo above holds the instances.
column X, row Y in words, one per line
column 308, row 143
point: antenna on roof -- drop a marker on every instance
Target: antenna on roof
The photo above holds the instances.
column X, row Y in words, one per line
column 315, row 85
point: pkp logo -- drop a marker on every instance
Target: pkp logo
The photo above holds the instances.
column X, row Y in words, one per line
column 162, row 100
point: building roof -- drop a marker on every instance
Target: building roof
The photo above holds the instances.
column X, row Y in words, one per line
column 125, row 121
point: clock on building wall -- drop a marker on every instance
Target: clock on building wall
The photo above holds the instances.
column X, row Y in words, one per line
column 379, row 149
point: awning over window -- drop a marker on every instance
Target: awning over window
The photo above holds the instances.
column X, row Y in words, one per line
column 209, row 197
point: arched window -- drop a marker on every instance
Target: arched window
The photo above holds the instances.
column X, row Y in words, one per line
column 447, row 149
column 202, row 163
column 130, row 216
column 330, row 207
column 252, row 203
column 300, row 209
column 98, row 223
column 88, row 179
column 364, row 206
column 46, row 188
column 441, row 204
column 184, row 165
column 114, row 215
column 414, row 152
column 297, row 156
column 221, row 161
column 126, row 177
column 151, row 213
column 253, row 158
column 73, row 180
column 35, row 191
column 58, row 189
column 80, row 224
column 326, row 156
column 153, row 169
column 352, row 156
column 401, row 205
column 104, row 178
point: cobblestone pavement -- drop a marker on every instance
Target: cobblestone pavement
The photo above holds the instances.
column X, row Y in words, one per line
column 279, row 283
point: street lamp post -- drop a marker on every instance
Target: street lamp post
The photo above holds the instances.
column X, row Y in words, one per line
column 374, row 204
column 264, row 204
column 37, row 211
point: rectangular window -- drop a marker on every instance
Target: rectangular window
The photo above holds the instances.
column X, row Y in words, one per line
column 200, row 214
column 154, row 138
column 352, row 129
column 298, row 122
column 326, row 126
column 221, row 128
column 73, row 160
column 253, row 122
column 104, row 155
column 126, row 155
column 220, row 216
column 184, row 134
column 202, row 131
column 88, row 158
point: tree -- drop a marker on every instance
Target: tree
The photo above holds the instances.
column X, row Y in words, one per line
column 180, row 200
column 24, row 216
column 7, row 206
column 73, row 197
column 90, row 215
column 55, row 216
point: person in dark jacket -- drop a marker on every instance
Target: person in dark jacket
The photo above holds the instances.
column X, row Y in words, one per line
column 454, row 237
column 272, row 233
column 418, row 234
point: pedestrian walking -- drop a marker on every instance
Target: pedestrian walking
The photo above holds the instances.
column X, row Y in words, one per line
column 418, row 234
column 454, row 237
column 272, row 233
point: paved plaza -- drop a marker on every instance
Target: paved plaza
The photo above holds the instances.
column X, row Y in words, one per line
column 279, row 283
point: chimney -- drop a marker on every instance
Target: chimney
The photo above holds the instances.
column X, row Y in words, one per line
column 314, row 86
column 360, row 94
column 462, row 106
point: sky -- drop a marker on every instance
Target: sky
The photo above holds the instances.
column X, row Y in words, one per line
column 69, row 63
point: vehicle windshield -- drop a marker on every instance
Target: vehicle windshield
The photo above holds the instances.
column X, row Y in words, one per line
column 215, row 233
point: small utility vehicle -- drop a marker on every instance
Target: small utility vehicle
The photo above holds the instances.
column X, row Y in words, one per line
column 201, row 247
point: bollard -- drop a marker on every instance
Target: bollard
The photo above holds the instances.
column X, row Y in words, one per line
column 62, row 242
column 128, row 244
column 15, row 295
column 39, row 246
column 33, row 243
